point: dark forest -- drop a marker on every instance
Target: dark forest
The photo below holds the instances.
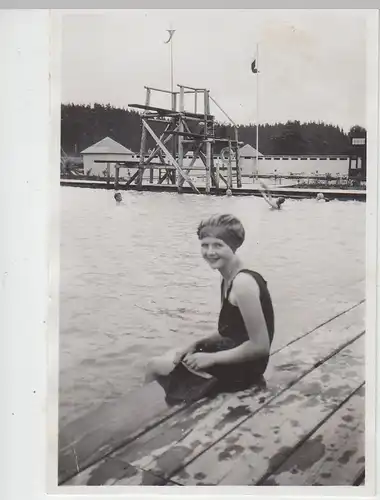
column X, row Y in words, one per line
column 84, row 125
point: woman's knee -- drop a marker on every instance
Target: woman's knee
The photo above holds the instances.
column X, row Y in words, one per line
column 159, row 367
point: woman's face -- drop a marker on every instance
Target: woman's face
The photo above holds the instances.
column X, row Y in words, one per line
column 215, row 252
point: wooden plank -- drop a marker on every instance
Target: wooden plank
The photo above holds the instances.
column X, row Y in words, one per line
column 140, row 175
column 217, row 174
column 174, row 100
column 263, row 442
column 229, row 166
column 94, row 436
column 186, row 134
column 117, row 175
column 164, row 177
column 237, row 165
column 333, row 455
column 165, row 166
column 154, row 118
column 157, row 148
column 100, row 433
column 158, row 90
column 115, row 472
column 180, row 178
column 198, row 136
column 165, row 111
column 208, row 167
column 223, row 179
column 134, row 176
column 193, row 89
column 170, row 157
column 108, row 168
column 234, row 143
column 199, row 427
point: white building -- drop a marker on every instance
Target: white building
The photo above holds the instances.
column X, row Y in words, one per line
column 248, row 158
column 293, row 164
column 304, row 165
column 108, row 152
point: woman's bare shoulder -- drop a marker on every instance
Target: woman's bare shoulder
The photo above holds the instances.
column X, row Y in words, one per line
column 245, row 283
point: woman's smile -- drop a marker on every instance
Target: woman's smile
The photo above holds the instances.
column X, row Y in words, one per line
column 213, row 260
column 216, row 252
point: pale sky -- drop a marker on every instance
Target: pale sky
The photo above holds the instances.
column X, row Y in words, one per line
column 312, row 63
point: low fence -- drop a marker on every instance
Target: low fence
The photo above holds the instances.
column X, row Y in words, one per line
column 300, row 181
column 296, row 165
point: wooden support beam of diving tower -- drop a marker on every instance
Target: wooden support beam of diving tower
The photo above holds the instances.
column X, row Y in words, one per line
column 169, row 156
column 176, row 131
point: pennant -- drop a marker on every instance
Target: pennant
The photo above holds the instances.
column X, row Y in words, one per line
column 171, row 33
column 253, row 67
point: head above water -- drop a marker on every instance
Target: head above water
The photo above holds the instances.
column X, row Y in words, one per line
column 320, row 196
column 225, row 227
column 280, row 201
column 117, row 196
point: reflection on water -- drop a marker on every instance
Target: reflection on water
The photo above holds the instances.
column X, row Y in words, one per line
column 133, row 284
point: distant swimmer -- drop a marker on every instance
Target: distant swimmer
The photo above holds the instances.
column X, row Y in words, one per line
column 118, row 197
column 273, row 202
column 229, row 192
column 321, row 198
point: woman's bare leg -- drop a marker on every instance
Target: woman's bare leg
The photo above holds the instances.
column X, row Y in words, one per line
column 160, row 366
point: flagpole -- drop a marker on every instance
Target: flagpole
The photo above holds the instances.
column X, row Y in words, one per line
column 171, row 64
column 171, row 33
column 257, row 111
column 170, row 42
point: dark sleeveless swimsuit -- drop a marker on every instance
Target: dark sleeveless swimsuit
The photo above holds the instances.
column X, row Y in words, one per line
column 234, row 332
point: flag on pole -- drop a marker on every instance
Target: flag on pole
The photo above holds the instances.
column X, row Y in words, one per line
column 253, row 67
column 171, row 33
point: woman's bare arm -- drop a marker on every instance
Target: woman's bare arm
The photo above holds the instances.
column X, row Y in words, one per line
column 268, row 198
column 209, row 340
column 267, row 195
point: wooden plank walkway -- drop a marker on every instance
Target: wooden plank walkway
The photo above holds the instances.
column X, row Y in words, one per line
column 305, row 426
column 324, row 456
column 245, row 190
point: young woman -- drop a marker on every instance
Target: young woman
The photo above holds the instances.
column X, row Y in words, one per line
column 238, row 354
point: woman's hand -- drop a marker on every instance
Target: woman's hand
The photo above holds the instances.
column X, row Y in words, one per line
column 183, row 352
column 199, row 360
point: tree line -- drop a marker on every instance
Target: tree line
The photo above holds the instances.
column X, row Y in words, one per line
column 84, row 125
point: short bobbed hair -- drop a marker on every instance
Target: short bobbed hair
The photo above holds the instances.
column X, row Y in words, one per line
column 225, row 227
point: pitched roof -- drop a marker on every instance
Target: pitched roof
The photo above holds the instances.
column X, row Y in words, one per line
column 107, row 145
column 248, row 150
